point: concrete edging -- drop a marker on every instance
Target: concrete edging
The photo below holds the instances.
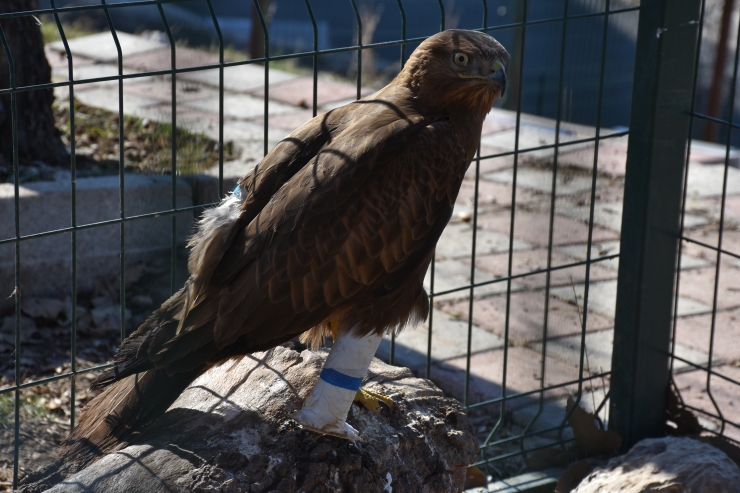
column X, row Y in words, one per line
column 44, row 206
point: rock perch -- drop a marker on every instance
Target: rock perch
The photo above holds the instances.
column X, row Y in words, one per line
column 231, row 431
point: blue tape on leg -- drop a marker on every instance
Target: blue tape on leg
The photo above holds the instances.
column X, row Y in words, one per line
column 338, row 379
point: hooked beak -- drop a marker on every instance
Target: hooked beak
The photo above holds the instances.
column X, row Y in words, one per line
column 499, row 77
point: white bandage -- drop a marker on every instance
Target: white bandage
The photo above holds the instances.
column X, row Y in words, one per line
column 328, row 404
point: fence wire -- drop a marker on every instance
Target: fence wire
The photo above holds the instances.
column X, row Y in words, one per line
column 500, row 441
column 714, row 375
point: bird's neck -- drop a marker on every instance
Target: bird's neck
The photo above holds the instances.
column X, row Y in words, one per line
column 467, row 120
column 468, row 127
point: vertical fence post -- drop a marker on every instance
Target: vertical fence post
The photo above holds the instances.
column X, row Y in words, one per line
column 659, row 126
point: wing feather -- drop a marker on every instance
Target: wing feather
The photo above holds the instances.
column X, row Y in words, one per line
column 329, row 222
column 341, row 230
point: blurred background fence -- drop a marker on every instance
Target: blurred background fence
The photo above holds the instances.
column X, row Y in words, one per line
column 573, row 274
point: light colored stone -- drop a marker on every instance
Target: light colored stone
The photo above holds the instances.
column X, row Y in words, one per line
column 696, row 332
column 711, row 153
column 602, row 298
column 706, row 180
column 241, row 106
column 541, row 180
column 299, row 92
column 526, row 316
column 58, row 59
column 336, row 104
column 159, row 59
column 539, row 480
column 608, row 248
column 612, row 156
column 457, row 241
column 452, row 274
column 699, row 285
column 598, row 354
column 531, row 136
column 669, row 465
column 106, row 98
column 534, row 227
column 449, row 340
column 46, row 206
column 289, row 121
column 160, row 88
column 692, row 262
column 598, row 250
column 498, row 120
column 548, row 415
column 102, row 48
column 96, row 71
column 609, row 215
column 239, row 78
column 524, row 367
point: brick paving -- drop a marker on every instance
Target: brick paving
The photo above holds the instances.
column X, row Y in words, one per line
column 290, row 102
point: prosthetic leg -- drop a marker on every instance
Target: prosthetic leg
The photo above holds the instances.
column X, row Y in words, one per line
column 326, row 408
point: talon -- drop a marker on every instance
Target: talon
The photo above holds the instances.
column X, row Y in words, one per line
column 334, row 325
column 320, row 424
column 371, row 400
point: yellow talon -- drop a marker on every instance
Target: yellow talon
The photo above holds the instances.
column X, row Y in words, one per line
column 371, row 400
column 334, row 324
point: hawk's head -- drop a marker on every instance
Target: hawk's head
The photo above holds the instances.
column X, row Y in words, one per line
column 457, row 69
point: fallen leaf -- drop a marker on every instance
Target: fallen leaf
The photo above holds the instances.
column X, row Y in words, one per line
column 685, row 421
column 572, row 476
column 591, row 440
column 475, row 478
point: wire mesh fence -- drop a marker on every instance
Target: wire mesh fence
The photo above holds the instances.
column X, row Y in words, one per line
column 525, row 279
column 706, row 383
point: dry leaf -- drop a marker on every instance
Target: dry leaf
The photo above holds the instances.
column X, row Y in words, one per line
column 591, row 440
column 685, row 421
column 475, row 478
column 572, row 476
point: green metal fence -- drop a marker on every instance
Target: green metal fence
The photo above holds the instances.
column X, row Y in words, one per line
column 719, row 418
column 663, row 115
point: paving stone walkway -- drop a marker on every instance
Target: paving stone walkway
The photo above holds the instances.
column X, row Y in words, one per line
column 536, row 341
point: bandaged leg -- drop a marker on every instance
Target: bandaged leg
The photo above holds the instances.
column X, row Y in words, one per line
column 325, row 410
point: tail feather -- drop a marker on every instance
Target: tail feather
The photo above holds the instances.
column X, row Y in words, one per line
column 155, row 363
column 133, row 355
column 123, row 409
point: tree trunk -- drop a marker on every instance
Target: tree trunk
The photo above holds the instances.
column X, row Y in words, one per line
column 231, row 431
column 38, row 139
column 257, row 38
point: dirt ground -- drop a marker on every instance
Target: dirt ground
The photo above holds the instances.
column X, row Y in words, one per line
column 46, row 409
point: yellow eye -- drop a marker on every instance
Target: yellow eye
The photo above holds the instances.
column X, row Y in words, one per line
column 497, row 65
column 461, row 59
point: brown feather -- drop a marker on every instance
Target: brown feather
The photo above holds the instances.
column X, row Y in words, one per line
column 338, row 222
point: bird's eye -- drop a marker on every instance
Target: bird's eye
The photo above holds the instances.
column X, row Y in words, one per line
column 497, row 65
column 461, row 59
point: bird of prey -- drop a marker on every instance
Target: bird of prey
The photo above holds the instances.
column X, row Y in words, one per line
column 334, row 228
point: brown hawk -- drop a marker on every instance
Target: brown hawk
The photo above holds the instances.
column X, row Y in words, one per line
column 337, row 225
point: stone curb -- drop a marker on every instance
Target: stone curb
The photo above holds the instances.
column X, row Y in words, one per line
column 46, row 262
